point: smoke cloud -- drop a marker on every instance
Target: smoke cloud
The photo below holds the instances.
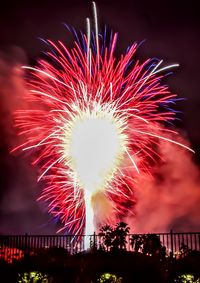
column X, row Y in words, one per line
column 19, row 211
column 170, row 199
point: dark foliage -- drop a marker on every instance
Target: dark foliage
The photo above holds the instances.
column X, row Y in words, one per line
column 115, row 238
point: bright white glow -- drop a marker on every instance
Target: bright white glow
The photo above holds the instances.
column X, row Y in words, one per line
column 94, row 148
column 89, row 226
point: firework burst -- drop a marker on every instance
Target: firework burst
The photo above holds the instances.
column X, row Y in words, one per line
column 94, row 124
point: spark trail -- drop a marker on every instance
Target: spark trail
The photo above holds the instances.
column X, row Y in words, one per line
column 94, row 124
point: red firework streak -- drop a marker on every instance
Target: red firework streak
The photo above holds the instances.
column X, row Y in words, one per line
column 73, row 84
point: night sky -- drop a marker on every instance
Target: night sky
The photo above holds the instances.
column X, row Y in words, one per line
column 171, row 32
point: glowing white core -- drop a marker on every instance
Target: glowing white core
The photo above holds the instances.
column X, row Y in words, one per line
column 94, row 150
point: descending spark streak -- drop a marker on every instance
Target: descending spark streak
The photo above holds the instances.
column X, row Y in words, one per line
column 132, row 160
column 166, row 139
column 90, row 131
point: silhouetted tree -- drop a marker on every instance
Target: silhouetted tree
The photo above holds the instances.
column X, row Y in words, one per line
column 184, row 250
column 149, row 244
column 115, row 238
column 152, row 244
column 120, row 234
column 136, row 242
column 107, row 234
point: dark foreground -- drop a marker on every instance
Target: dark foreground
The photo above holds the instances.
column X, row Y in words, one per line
column 55, row 265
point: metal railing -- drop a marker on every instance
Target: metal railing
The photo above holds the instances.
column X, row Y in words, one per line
column 16, row 246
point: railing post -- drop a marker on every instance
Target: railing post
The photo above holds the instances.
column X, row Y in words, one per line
column 26, row 243
column 94, row 241
column 172, row 245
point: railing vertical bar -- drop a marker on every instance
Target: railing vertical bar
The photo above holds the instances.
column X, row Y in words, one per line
column 168, row 242
column 34, row 242
column 83, row 243
column 30, row 242
column 163, row 239
column 195, row 241
column 10, row 247
column 2, row 248
column 56, row 240
column 183, row 242
column 65, row 241
column 175, row 243
column 39, row 241
column 44, row 242
column 5, row 247
column 179, row 244
column 172, row 244
column 61, row 241
column 50, row 241
column 191, row 241
column 187, row 240
column 14, row 247
column 71, row 249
